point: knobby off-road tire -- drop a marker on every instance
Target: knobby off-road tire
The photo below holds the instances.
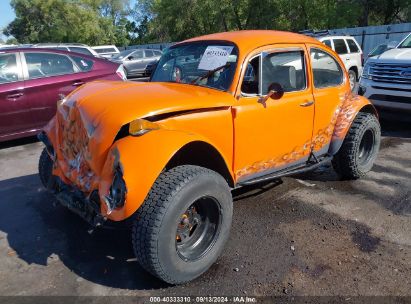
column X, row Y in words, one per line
column 178, row 195
column 45, row 167
column 360, row 147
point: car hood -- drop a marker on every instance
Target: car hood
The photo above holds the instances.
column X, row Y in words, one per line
column 393, row 56
column 125, row 101
column 99, row 109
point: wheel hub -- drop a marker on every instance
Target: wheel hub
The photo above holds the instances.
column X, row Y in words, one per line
column 188, row 224
column 198, row 228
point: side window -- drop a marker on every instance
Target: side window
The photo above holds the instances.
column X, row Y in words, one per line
column 326, row 70
column 8, row 68
column 328, row 43
column 48, row 64
column 137, row 55
column 157, row 53
column 149, row 53
column 340, row 46
column 353, row 46
column 83, row 63
column 250, row 83
column 80, row 50
column 286, row 69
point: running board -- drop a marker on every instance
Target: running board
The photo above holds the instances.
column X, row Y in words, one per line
column 285, row 172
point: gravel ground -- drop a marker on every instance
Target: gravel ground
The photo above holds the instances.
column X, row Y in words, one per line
column 309, row 235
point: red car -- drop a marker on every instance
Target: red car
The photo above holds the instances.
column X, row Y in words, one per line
column 33, row 80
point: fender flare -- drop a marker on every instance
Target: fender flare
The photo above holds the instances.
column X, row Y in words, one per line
column 142, row 159
column 345, row 115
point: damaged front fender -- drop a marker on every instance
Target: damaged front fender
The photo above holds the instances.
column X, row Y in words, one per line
column 141, row 161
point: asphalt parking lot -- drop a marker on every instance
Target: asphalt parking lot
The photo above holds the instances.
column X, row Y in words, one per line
column 310, row 235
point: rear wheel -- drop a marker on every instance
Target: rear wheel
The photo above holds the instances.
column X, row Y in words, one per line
column 182, row 227
column 45, row 167
column 360, row 147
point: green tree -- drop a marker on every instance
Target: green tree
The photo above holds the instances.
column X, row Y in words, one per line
column 175, row 20
column 84, row 21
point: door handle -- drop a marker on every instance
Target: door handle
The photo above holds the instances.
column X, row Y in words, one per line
column 78, row 83
column 14, row 96
column 307, row 104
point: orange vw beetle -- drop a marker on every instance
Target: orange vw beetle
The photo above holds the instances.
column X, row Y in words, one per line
column 221, row 111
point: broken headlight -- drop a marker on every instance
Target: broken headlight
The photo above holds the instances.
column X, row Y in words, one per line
column 117, row 194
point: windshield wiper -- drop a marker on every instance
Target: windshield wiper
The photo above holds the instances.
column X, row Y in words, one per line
column 209, row 73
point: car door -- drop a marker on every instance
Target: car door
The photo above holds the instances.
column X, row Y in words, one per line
column 14, row 109
column 150, row 56
column 48, row 77
column 273, row 135
column 329, row 85
column 135, row 62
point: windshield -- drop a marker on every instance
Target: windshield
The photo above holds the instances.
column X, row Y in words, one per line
column 378, row 50
column 406, row 43
column 122, row 54
column 206, row 63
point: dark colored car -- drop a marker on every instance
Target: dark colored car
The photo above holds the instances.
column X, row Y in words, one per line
column 33, row 80
column 136, row 61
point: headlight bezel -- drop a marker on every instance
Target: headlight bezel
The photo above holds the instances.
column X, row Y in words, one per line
column 139, row 127
column 366, row 70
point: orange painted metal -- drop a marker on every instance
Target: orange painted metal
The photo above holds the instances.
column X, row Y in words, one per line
column 250, row 138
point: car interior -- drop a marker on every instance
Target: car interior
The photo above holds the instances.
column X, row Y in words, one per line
column 288, row 72
column 41, row 65
column 8, row 68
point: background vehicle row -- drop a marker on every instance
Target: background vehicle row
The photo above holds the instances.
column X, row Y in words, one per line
column 32, row 80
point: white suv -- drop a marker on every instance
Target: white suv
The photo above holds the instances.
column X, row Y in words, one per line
column 106, row 51
column 350, row 53
column 386, row 80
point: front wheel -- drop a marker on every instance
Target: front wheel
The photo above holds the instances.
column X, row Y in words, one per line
column 183, row 224
column 360, row 147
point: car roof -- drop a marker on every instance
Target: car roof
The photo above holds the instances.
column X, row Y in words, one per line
column 42, row 50
column 251, row 39
column 103, row 46
column 335, row 37
column 62, row 44
column 142, row 50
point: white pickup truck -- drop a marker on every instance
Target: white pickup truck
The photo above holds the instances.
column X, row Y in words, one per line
column 386, row 78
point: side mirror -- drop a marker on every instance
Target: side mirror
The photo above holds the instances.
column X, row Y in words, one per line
column 275, row 91
column 130, row 57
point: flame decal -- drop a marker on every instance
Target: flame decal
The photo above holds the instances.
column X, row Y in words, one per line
column 336, row 130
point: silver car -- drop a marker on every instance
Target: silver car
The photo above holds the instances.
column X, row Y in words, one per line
column 135, row 61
